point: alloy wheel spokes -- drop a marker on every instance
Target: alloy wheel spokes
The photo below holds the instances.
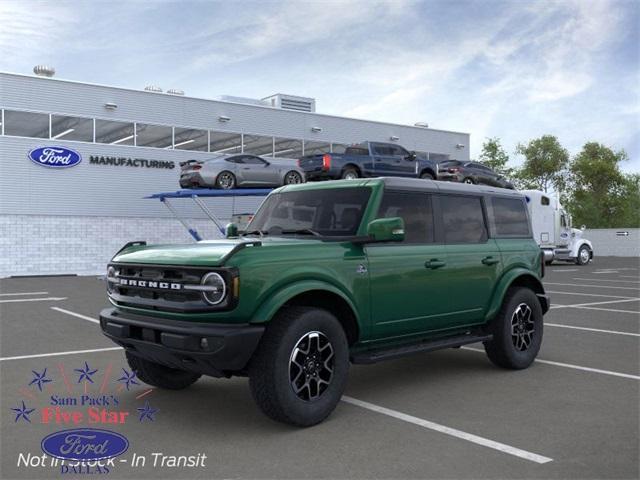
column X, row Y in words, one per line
column 522, row 327
column 311, row 366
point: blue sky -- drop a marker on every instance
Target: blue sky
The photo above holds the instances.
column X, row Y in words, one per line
column 515, row 69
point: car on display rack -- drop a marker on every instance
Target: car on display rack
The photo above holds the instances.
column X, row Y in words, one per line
column 472, row 173
column 327, row 274
column 242, row 170
column 368, row 159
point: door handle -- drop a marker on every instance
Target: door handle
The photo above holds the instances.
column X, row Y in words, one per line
column 490, row 260
column 434, row 263
column 246, row 168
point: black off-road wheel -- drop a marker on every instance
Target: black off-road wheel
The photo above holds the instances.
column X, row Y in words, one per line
column 160, row 376
column 427, row 176
column 517, row 330
column 299, row 371
column 226, row 180
column 350, row 173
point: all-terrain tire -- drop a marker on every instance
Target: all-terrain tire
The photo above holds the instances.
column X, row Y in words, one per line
column 519, row 319
column 272, row 376
column 159, row 375
column 427, row 176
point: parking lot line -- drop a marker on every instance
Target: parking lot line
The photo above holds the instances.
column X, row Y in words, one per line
column 605, row 272
column 569, row 365
column 485, row 442
column 633, row 312
column 605, row 280
column 59, row 354
column 74, row 314
column 23, row 293
column 598, row 330
column 568, row 270
column 586, row 294
column 628, row 276
column 595, row 303
column 47, row 299
column 593, row 286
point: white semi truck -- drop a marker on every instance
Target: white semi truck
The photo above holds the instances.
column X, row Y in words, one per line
column 553, row 231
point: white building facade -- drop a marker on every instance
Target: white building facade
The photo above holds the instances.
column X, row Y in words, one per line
column 130, row 142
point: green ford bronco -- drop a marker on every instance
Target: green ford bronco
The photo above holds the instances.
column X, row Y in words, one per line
column 328, row 274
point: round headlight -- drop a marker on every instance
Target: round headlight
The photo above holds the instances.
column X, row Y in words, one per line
column 215, row 290
column 111, row 275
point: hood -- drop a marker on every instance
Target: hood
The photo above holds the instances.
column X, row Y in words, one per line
column 210, row 253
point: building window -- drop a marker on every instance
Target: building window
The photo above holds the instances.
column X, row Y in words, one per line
column 287, row 148
column 314, row 148
column 258, row 145
column 26, row 124
column 114, row 133
column 157, row 136
column 71, row 128
column 225, row 143
column 190, row 139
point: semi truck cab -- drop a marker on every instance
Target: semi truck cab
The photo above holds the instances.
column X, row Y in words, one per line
column 553, row 230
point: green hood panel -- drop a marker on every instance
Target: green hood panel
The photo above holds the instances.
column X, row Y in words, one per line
column 207, row 253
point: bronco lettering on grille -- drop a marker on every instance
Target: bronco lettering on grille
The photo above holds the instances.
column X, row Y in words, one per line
column 149, row 284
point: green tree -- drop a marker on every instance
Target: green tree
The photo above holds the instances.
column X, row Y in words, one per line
column 544, row 165
column 600, row 195
column 494, row 156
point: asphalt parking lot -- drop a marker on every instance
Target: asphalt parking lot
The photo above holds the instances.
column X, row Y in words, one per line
column 448, row 414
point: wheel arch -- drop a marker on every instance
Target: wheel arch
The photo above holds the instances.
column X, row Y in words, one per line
column 313, row 294
column 354, row 166
column 516, row 278
column 430, row 171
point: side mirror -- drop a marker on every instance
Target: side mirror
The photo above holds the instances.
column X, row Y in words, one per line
column 583, row 228
column 386, row 230
column 412, row 156
column 231, row 230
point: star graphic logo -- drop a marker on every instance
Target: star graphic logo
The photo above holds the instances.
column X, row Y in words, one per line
column 128, row 378
column 146, row 412
column 85, row 373
column 39, row 379
column 24, row 412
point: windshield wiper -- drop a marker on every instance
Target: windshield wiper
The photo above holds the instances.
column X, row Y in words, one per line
column 302, row 231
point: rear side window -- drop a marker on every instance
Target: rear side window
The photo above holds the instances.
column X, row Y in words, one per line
column 356, row 151
column 463, row 219
column 510, row 217
column 415, row 209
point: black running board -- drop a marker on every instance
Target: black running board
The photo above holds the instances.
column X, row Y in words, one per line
column 378, row 355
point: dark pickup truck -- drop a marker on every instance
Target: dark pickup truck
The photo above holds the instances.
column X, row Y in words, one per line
column 368, row 159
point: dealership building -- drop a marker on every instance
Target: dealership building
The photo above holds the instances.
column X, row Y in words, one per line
column 129, row 144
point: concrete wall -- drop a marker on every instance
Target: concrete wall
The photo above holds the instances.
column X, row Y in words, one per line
column 607, row 242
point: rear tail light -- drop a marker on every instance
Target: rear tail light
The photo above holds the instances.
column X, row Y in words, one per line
column 326, row 161
column 196, row 167
column 299, row 162
column 453, row 170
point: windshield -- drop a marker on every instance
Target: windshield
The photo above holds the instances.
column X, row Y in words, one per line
column 325, row 212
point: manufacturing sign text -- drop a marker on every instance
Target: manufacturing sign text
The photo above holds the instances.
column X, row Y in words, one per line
column 130, row 162
column 55, row 157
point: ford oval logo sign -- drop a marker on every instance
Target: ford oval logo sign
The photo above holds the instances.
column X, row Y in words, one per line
column 84, row 444
column 55, row 157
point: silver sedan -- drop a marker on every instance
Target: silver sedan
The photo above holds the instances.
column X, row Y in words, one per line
column 242, row 170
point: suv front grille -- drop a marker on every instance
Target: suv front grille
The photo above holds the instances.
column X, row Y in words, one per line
column 160, row 287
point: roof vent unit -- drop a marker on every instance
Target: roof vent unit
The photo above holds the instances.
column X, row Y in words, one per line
column 153, row 88
column 291, row 102
column 244, row 100
column 175, row 91
column 44, row 71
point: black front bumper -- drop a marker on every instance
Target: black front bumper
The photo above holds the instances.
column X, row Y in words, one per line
column 179, row 344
